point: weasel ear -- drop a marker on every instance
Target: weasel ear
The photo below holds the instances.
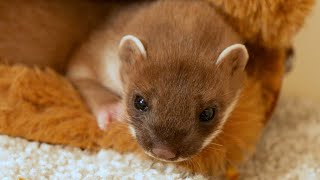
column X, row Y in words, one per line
column 131, row 49
column 234, row 57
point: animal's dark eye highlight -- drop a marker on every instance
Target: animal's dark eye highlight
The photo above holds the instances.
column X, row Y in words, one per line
column 207, row 115
column 140, row 103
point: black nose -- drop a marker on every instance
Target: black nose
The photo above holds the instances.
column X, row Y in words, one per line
column 164, row 152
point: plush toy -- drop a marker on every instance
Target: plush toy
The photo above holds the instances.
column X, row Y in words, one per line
column 41, row 105
column 271, row 23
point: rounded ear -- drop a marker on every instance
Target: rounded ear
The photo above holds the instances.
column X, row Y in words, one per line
column 131, row 49
column 234, row 57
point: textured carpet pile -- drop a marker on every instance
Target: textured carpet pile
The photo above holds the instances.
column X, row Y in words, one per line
column 289, row 149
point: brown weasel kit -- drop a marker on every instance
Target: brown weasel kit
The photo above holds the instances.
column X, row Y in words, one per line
column 172, row 69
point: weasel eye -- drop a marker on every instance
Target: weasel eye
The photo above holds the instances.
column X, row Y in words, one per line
column 207, row 115
column 140, row 103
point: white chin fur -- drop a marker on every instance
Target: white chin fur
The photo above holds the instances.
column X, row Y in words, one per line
column 163, row 160
column 133, row 133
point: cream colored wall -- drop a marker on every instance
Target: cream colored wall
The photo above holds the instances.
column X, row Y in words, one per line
column 304, row 80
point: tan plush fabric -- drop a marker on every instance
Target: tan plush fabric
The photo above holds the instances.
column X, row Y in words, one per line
column 271, row 23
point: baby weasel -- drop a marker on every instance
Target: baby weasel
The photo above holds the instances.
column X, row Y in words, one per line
column 172, row 69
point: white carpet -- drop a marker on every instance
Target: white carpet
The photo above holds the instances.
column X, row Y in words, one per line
column 290, row 149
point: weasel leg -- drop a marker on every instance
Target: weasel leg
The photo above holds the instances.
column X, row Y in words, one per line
column 103, row 103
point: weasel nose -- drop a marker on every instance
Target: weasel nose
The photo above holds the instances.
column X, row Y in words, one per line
column 163, row 152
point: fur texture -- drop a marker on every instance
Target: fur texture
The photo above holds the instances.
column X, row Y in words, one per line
column 40, row 105
column 46, row 32
column 270, row 23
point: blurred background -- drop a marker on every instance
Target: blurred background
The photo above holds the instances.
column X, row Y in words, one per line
column 304, row 79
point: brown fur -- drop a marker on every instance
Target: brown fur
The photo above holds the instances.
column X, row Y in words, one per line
column 45, row 33
column 42, row 106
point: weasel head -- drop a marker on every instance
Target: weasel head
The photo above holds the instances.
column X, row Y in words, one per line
column 176, row 105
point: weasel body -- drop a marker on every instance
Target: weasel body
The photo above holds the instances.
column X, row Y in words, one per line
column 172, row 69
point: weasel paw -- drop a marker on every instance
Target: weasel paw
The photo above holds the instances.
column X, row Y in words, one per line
column 106, row 115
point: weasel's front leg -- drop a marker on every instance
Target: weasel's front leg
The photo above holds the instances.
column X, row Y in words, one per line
column 103, row 103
